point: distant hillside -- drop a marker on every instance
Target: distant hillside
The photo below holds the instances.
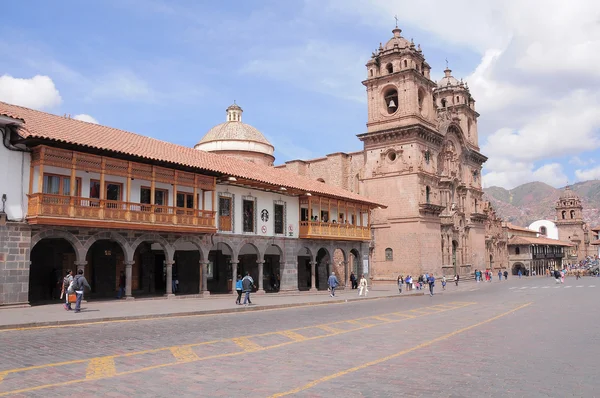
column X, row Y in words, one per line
column 536, row 200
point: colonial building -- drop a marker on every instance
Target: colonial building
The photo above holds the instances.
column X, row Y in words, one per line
column 421, row 157
column 77, row 195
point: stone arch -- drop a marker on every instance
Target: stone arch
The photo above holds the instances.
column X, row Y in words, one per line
column 516, row 267
column 155, row 238
column 113, row 236
column 196, row 241
column 61, row 234
column 245, row 242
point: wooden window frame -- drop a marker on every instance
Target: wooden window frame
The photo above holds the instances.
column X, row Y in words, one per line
column 106, row 183
column 283, row 216
column 231, row 216
column 186, row 194
column 166, row 191
column 61, row 184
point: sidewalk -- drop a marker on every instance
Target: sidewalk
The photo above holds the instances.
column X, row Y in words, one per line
column 99, row 311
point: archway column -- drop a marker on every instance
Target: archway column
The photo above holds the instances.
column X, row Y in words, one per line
column 234, row 274
column 313, row 288
column 169, row 265
column 80, row 266
column 346, row 273
column 128, row 279
column 261, row 264
column 204, row 278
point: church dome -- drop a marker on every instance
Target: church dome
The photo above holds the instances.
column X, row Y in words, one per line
column 448, row 80
column 398, row 40
column 568, row 194
column 238, row 139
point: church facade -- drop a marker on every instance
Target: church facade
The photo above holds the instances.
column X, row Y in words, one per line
column 421, row 157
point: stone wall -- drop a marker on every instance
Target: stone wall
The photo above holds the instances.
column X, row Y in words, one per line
column 15, row 243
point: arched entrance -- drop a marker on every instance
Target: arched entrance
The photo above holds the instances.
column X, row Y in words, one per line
column 355, row 265
column 50, row 259
column 105, row 262
column 149, row 272
column 339, row 266
column 304, row 269
column 516, row 267
column 454, row 256
column 248, row 257
column 272, row 269
column 219, row 275
column 186, row 267
column 322, row 269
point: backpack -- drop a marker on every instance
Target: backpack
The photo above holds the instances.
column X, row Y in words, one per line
column 246, row 284
column 66, row 283
column 73, row 286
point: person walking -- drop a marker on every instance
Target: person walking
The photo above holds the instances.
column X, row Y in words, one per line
column 443, row 282
column 520, row 273
column 505, row 275
column 362, row 286
column 408, row 281
column 121, row 292
column 247, row 285
column 238, row 289
column 400, row 283
column 499, row 276
column 431, row 282
column 78, row 285
column 456, row 278
column 332, row 282
column 65, row 287
column 353, row 280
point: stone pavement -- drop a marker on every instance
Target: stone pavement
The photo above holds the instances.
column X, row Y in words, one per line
column 54, row 314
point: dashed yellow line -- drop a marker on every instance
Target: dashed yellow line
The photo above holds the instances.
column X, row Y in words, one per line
column 396, row 355
column 293, row 335
column 184, row 354
column 380, row 318
column 104, row 367
column 246, row 344
column 101, row 368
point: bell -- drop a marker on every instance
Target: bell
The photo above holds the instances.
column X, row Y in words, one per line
column 392, row 104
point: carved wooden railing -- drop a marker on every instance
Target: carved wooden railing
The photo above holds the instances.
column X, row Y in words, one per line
column 324, row 230
column 59, row 206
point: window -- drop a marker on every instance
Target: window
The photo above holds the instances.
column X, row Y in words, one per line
column 405, row 64
column 60, row 185
column 564, row 214
column 420, row 97
column 427, row 194
column 248, row 215
column 279, row 217
column 543, row 231
column 324, row 216
column 517, row 251
column 113, row 190
column 427, row 156
column 443, row 102
column 161, row 196
column 389, row 68
column 185, row 200
column 225, row 213
column 389, row 254
column 303, row 214
column 391, row 100
column 371, row 72
column 572, row 214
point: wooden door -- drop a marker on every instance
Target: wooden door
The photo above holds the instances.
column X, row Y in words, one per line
column 225, row 219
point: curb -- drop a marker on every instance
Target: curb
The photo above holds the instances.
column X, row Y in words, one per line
column 192, row 313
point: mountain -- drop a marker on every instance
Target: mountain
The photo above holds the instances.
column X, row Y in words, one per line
column 536, row 200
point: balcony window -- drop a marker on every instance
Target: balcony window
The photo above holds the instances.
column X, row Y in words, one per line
column 185, row 200
column 60, row 185
column 225, row 213
column 161, row 196
column 114, row 191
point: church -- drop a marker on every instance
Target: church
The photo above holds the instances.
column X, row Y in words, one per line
column 420, row 156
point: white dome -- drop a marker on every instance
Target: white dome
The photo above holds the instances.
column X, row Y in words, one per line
column 551, row 230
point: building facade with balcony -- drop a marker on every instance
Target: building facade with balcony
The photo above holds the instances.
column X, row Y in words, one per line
column 78, row 195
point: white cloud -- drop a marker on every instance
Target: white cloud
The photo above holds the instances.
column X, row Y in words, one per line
column 38, row 92
column 577, row 161
column 589, row 174
column 85, row 118
column 124, row 85
column 509, row 175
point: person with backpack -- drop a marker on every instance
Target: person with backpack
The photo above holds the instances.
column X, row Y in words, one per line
column 456, row 279
column 238, row 289
column 247, row 285
column 505, row 275
column 333, row 283
column 65, row 287
column 77, row 286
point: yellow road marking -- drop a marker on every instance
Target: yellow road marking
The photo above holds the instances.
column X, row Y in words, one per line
column 184, row 354
column 380, row 318
column 246, row 344
column 293, row 335
column 396, row 355
column 2, row 376
column 100, row 368
column 360, row 322
column 242, row 342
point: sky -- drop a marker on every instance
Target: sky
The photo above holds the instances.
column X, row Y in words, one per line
column 169, row 69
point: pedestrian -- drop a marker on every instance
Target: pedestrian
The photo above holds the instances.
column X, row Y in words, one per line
column 121, row 285
column 443, row 282
column 332, row 282
column 247, row 285
column 520, row 273
column 420, row 280
column 174, row 283
column 238, row 289
column 78, row 285
column 400, row 283
column 431, row 282
column 499, row 276
column 65, row 287
column 408, row 281
column 362, row 286
column 456, row 278
column 505, row 275
column 562, row 276
column 353, row 280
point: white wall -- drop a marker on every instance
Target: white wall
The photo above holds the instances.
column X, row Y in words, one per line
column 551, row 230
column 265, row 201
column 14, row 181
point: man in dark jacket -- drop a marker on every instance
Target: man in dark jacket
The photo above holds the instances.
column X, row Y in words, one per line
column 247, row 285
column 79, row 283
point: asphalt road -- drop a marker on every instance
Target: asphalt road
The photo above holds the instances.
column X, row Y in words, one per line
column 521, row 338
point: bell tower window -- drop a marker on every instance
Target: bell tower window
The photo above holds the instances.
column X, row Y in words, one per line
column 405, row 63
column 420, row 97
column 391, row 100
column 443, row 102
column 390, row 68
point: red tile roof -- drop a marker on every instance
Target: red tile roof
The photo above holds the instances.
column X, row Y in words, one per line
column 525, row 240
column 47, row 126
column 517, row 228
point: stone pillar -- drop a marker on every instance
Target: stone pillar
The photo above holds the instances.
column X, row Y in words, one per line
column 80, row 266
column 204, row 278
column 234, row 272
column 128, row 279
column 313, row 267
column 261, row 264
column 346, row 273
column 169, row 265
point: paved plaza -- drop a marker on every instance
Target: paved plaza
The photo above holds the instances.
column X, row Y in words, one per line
column 519, row 338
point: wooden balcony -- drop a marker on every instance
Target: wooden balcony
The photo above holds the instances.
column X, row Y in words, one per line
column 333, row 231
column 47, row 209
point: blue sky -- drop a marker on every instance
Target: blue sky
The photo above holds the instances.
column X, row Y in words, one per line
column 168, row 69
